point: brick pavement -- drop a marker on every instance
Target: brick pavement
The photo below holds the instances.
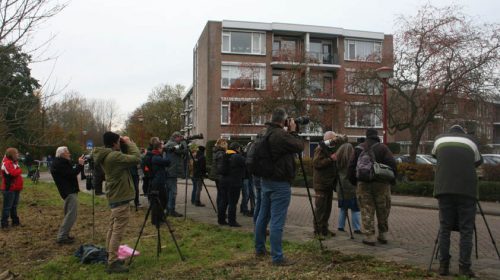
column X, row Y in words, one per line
column 413, row 229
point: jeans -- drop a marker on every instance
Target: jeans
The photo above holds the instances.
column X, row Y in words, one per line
column 247, row 195
column 256, row 183
column 10, row 202
column 171, row 193
column 456, row 210
column 355, row 218
column 273, row 209
column 70, row 213
column 197, row 187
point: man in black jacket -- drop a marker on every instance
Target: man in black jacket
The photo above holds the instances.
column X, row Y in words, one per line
column 66, row 178
column 455, row 187
column 199, row 173
column 276, row 189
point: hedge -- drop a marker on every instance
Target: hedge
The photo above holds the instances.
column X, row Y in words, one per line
column 488, row 190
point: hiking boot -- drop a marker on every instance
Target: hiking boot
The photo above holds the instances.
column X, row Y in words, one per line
column 116, row 267
column 466, row 271
column 444, row 268
column 382, row 237
column 175, row 214
column 284, row 262
column 370, row 240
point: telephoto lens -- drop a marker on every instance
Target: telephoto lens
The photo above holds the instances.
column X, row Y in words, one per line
column 302, row 120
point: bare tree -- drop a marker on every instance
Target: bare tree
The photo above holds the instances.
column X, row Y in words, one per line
column 440, row 55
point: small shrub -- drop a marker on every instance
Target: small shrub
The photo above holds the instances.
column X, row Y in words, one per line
column 488, row 190
column 415, row 172
column 491, row 172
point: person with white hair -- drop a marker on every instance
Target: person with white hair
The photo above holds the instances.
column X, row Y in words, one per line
column 65, row 176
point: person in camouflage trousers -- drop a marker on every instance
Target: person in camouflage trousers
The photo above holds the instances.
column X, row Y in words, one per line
column 374, row 197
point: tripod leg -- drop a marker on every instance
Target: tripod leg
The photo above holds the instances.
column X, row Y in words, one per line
column 93, row 214
column 158, row 242
column 209, row 197
column 140, row 234
column 434, row 251
column 310, row 198
column 488, row 228
column 475, row 237
column 173, row 238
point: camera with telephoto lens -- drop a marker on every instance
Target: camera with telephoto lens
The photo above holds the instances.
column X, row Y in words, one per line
column 298, row 121
column 194, row 137
column 337, row 140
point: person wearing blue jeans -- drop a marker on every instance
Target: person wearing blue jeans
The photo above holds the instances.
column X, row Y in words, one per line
column 282, row 145
column 256, row 182
column 175, row 151
column 247, row 196
column 355, row 219
column 10, row 202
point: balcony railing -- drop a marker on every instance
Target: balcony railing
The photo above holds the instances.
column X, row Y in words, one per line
column 322, row 58
column 311, row 57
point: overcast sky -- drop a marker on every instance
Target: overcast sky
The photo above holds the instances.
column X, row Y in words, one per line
column 122, row 49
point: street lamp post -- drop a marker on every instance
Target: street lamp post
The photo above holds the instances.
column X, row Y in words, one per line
column 140, row 118
column 384, row 73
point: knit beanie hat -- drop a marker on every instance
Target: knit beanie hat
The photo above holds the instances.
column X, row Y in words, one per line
column 371, row 133
column 109, row 138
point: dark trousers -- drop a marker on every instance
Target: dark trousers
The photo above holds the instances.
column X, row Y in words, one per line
column 145, row 184
column 323, row 210
column 10, row 202
column 222, row 202
column 456, row 210
column 233, row 195
column 98, row 178
column 136, row 188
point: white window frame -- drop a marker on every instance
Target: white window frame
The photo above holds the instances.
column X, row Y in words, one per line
column 261, row 50
column 355, row 90
column 376, row 47
column 231, row 68
column 228, row 106
column 376, row 116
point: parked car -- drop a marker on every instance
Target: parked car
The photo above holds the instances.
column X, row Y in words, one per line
column 420, row 159
column 488, row 159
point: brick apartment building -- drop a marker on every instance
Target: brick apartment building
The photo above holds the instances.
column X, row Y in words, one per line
column 227, row 50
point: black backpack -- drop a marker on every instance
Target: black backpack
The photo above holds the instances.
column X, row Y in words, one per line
column 147, row 165
column 259, row 161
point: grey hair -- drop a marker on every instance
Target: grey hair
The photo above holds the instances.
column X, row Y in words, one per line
column 61, row 150
column 279, row 115
column 329, row 135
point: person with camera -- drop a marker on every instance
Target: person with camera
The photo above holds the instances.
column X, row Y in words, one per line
column 232, row 170
column 324, row 178
column 65, row 175
column 199, row 172
column 120, row 190
column 218, row 153
column 175, row 151
column 455, row 187
column 374, row 196
column 158, row 179
column 12, row 185
column 276, row 191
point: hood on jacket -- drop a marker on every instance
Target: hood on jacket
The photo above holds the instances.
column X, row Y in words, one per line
column 100, row 153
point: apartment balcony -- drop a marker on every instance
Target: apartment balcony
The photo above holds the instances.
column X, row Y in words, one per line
column 322, row 61
column 287, row 59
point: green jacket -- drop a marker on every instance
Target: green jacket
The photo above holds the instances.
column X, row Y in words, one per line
column 116, row 166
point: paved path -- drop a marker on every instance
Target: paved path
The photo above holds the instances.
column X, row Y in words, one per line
column 413, row 226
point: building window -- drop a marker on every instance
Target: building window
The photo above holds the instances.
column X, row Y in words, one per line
column 243, row 77
column 363, row 50
column 285, row 49
column 354, row 85
column 224, row 115
column 363, row 116
column 243, row 42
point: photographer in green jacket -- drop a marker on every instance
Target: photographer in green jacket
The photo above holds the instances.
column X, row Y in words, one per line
column 120, row 190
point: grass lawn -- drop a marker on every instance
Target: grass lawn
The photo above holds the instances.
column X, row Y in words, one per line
column 211, row 252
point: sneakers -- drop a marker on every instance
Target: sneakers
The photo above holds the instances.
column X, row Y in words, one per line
column 382, row 237
column 465, row 270
column 444, row 268
column 369, row 240
column 116, row 267
column 285, row 262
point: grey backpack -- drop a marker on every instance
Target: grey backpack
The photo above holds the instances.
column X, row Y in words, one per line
column 364, row 167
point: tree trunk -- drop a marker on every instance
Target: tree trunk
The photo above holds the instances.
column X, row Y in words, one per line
column 415, row 136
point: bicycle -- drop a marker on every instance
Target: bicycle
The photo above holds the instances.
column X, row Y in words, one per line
column 35, row 175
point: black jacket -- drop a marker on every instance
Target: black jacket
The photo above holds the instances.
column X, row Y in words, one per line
column 382, row 155
column 218, row 154
column 237, row 169
column 457, row 157
column 159, row 173
column 200, row 165
column 65, row 176
column 283, row 146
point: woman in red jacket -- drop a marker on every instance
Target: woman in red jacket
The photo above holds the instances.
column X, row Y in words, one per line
column 12, row 184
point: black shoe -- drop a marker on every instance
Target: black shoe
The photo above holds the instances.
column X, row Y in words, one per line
column 65, row 241
column 235, row 224
column 249, row 214
column 99, row 193
column 465, row 270
column 175, row 214
column 340, row 229
column 444, row 268
column 284, row 262
column 327, row 233
column 222, row 223
column 358, row 231
column 116, row 267
column 199, row 204
column 260, row 255
column 370, row 243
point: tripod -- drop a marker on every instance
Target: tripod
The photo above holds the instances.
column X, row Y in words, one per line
column 158, row 217
column 309, row 196
column 435, row 250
